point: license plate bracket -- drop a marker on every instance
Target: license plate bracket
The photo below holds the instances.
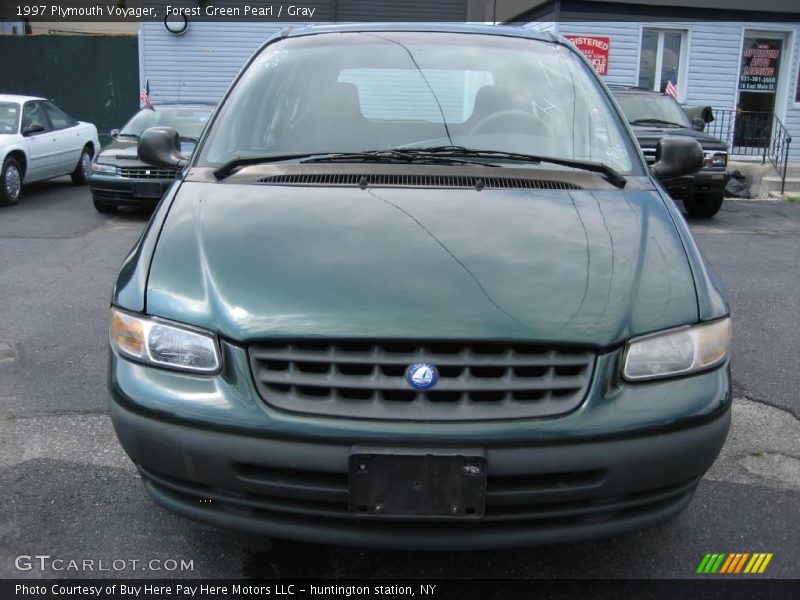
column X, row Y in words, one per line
column 402, row 482
column 147, row 190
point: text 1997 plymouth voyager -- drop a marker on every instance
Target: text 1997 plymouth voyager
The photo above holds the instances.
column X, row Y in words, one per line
column 417, row 287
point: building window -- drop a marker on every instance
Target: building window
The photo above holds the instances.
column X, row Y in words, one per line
column 662, row 58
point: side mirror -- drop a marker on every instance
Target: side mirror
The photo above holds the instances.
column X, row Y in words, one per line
column 698, row 124
column 161, row 147
column 32, row 129
column 676, row 156
column 706, row 113
column 114, row 133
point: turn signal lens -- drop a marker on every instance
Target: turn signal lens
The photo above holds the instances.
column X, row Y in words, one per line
column 127, row 334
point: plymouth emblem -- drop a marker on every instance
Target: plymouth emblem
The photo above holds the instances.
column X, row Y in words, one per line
column 422, row 376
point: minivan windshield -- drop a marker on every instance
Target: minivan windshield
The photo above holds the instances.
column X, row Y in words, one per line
column 654, row 108
column 381, row 90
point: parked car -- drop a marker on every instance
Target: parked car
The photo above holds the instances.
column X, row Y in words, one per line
column 418, row 288
column 654, row 115
column 39, row 140
column 119, row 178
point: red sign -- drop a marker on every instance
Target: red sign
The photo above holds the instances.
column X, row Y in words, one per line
column 593, row 47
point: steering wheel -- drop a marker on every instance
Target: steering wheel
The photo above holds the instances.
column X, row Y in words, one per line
column 511, row 121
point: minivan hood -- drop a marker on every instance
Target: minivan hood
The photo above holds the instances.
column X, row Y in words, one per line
column 264, row 261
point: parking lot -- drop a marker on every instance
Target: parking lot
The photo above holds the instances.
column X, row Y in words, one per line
column 70, row 492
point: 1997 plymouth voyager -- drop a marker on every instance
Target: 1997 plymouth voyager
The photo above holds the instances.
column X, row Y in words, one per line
column 417, row 287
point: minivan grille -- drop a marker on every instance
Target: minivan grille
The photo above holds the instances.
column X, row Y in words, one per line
column 427, row 181
column 147, row 173
column 477, row 381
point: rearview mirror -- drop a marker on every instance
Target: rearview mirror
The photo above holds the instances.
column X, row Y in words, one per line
column 161, row 147
column 114, row 133
column 32, row 129
column 698, row 124
column 676, row 156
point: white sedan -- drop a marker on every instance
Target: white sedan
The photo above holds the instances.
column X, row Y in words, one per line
column 38, row 141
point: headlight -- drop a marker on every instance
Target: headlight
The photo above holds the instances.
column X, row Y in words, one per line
column 715, row 160
column 678, row 351
column 159, row 343
column 101, row 168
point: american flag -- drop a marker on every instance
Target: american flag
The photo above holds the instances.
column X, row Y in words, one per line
column 671, row 89
column 145, row 96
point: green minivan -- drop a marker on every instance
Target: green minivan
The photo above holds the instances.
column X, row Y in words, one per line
column 418, row 288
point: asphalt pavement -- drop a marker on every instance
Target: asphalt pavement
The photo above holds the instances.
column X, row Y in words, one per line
column 69, row 492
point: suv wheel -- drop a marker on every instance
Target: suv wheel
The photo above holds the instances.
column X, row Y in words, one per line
column 10, row 182
column 703, row 206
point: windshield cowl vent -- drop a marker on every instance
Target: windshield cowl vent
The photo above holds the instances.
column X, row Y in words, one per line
column 423, row 181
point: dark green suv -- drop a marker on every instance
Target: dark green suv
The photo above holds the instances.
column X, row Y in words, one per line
column 654, row 115
column 417, row 287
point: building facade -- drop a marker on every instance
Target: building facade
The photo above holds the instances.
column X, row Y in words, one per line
column 200, row 61
column 736, row 67
column 743, row 67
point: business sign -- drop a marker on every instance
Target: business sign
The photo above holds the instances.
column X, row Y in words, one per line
column 760, row 62
column 593, row 47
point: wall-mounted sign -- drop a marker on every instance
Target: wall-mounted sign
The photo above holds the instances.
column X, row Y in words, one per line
column 760, row 63
column 593, row 47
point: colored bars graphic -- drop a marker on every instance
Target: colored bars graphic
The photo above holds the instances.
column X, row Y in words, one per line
column 734, row 563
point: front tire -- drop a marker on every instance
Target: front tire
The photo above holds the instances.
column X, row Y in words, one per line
column 10, row 182
column 80, row 176
column 703, row 206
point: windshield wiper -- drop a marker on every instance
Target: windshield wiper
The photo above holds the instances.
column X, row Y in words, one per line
column 394, row 155
column 247, row 160
column 129, row 135
column 611, row 175
column 655, row 122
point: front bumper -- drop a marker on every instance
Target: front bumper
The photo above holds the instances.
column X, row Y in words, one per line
column 211, row 450
column 126, row 191
column 706, row 181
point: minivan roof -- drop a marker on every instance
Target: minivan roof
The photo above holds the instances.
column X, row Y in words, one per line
column 499, row 30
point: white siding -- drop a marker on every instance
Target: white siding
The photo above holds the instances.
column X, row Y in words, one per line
column 714, row 56
column 200, row 64
column 792, row 119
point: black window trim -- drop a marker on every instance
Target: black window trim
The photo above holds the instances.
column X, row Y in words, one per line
column 72, row 121
column 44, row 112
